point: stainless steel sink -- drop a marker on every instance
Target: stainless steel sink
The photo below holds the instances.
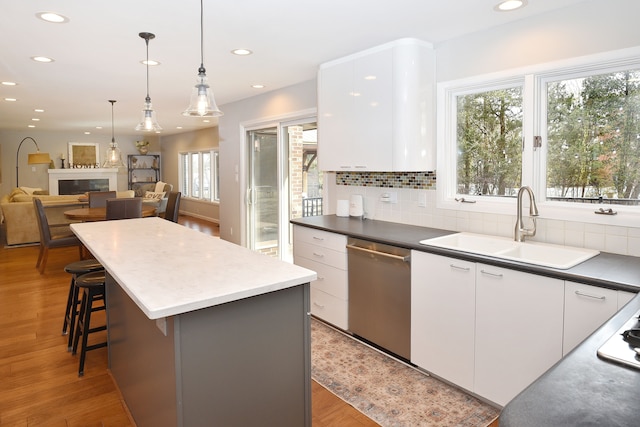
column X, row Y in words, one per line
column 543, row 254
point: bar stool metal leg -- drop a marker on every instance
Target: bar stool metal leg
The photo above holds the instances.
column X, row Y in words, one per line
column 93, row 290
column 73, row 302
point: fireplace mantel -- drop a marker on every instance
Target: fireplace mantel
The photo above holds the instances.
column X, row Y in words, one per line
column 56, row 175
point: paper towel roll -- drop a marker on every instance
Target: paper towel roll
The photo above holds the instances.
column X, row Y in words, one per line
column 342, row 209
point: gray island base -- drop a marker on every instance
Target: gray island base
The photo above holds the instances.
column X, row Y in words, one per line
column 226, row 346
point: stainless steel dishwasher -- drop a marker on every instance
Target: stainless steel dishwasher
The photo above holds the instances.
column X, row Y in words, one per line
column 380, row 295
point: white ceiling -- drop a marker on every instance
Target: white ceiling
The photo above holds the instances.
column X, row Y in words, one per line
column 98, row 52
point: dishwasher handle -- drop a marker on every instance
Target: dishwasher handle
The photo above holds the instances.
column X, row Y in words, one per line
column 402, row 258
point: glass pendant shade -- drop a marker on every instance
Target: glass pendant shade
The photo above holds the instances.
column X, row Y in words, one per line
column 149, row 122
column 113, row 158
column 202, row 102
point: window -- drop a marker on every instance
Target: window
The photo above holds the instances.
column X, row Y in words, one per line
column 571, row 132
column 593, row 134
column 489, row 142
column 199, row 177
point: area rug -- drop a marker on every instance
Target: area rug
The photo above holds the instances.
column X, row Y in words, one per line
column 389, row 392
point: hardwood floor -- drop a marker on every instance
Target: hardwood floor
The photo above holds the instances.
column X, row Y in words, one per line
column 39, row 383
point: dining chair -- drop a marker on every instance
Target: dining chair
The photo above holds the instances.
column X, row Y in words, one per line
column 173, row 206
column 98, row 199
column 124, row 208
column 52, row 236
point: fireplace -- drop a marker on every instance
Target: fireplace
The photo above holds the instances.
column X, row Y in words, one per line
column 79, row 181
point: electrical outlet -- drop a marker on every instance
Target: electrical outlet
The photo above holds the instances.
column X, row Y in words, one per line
column 422, row 200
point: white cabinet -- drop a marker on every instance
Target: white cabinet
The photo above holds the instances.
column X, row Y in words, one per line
column 586, row 308
column 518, row 330
column 443, row 316
column 376, row 109
column 326, row 254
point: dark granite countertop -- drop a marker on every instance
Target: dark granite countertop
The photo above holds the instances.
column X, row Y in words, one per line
column 606, row 270
column 581, row 389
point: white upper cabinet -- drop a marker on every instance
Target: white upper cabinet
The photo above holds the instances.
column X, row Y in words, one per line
column 376, row 109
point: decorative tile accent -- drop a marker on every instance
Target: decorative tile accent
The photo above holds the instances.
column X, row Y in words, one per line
column 416, row 180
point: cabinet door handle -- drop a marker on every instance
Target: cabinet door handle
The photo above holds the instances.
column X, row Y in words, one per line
column 318, row 305
column 488, row 273
column 319, row 255
column 320, row 278
column 318, row 238
column 582, row 294
column 457, row 267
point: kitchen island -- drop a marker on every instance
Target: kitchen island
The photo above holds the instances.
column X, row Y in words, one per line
column 202, row 331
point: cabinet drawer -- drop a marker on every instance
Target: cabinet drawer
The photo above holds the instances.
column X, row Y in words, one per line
column 320, row 254
column 329, row 308
column 325, row 239
column 330, row 280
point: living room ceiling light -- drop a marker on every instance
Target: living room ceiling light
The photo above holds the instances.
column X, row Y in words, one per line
column 9, row 83
column 41, row 59
column 241, row 52
column 53, row 17
column 114, row 156
column 202, row 103
column 509, row 5
column 36, row 158
column 149, row 122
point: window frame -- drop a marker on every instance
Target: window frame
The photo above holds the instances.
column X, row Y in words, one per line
column 185, row 180
column 533, row 80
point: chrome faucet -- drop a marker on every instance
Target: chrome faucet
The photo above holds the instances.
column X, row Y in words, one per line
column 520, row 231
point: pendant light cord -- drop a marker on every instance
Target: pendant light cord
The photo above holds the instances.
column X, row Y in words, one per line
column 113, row 139
column 148, row 98
column 202, row 70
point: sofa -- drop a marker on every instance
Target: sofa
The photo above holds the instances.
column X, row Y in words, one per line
column 19, row 215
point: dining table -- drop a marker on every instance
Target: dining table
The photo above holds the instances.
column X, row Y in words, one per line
column 87, row 214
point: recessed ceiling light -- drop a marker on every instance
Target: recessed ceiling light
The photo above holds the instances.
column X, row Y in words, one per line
column 39, row 110
column 87, row 133
column 178, row 127
column 35, row 119
column 31, row 126
column 258, row 86
column 9, row 83
column 151, row 62
column 98, row 127
column 241, row 52
column 206, row 121
column 509, row 5
column 10, row 99
column 56, row 18
column 41, row 59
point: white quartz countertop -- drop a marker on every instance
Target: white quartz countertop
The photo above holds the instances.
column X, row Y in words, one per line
column 168, row 269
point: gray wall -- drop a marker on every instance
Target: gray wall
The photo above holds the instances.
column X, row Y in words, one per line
column 172, row 146
column 291, row 99
column 56, row 143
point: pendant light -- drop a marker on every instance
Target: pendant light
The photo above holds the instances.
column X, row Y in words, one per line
column 202, row 102
column 114, row 156
column 149, row 122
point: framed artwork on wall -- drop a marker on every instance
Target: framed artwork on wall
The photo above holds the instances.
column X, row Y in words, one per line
column 84, row 155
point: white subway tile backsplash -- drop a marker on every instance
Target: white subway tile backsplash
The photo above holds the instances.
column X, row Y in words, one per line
column 620, row 240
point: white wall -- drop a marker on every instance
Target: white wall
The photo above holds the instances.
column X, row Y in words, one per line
column 281, row 102
column 56, row 143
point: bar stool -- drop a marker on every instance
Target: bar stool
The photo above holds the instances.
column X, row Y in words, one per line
column 76, row 269
column 93, row 290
